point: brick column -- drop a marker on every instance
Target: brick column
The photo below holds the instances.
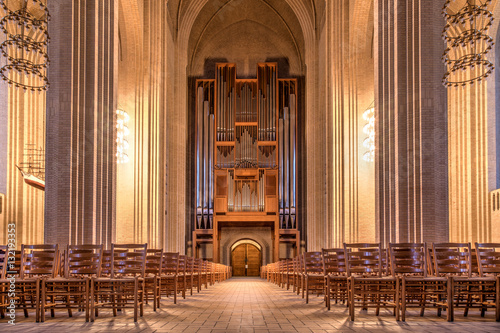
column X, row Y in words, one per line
column 81, row 104
column 411, row 122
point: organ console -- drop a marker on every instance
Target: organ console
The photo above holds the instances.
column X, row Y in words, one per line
column 246, row 156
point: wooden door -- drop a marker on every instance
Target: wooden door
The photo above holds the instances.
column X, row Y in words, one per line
column 246, row 260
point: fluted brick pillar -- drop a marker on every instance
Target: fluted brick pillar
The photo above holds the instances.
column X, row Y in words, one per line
column 411, row 122
column 81, row 104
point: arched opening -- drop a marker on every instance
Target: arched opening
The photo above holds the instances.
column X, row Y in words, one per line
column 246, row 258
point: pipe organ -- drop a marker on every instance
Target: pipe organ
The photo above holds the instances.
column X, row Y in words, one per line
column 246, row 156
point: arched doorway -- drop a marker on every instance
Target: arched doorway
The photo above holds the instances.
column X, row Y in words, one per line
column 246, row 258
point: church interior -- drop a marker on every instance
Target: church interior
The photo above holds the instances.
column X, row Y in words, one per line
column 243, row 139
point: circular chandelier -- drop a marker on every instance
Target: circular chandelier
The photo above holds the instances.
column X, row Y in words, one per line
column 24, row 23
column 468, row 42
column 122, row 131
column 369, row 129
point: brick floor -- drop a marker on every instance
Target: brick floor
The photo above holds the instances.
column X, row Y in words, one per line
column 252, row 305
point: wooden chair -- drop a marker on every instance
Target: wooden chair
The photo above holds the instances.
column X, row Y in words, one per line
column 298, row 273
column 197, row 266
column 415, row 287
column 181, row 276
column 37, row 262
column 367, row 286
column 125, row 288
column 211, row 272
column 488, row 259
column 335, row 274
column 289, row 273
column 190, row 274
column 153, row 276
column 72, row 289
column 312, row 276
column 4, row 282
column 169, row 271
column 453, row 261
column 205, row 273
column 24, row 297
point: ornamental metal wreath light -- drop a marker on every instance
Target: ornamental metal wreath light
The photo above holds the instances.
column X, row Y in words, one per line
column 122, row 131
column 369, row 129
column 24, row 23
column 468, row 49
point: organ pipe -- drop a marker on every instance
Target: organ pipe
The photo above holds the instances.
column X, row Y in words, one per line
column 246, row 124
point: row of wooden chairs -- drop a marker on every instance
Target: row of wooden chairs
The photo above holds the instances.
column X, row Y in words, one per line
column 441, row 276
column 89, row 278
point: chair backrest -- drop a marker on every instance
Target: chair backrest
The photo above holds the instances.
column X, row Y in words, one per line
column 13, row 264
column 189, row 265
column 451, row 259
column 430, row 261
column 154, row 262
column 289, row 263
column 39, row 260
column 296, row 265
column 334, row 261
column 4, row 255
column 488, row 258
column 128, row 260
column 170, row 263
column 313, row 263
column 363, row 259
column 182, row 264
column 197, row 263
column 83, row 260
column 408, row 259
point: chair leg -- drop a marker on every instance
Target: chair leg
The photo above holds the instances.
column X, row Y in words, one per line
column 397, row 298
column 136, row 303
column 328, row 281
column 40, row 301
column 351, row 298
column 449, row 300
column 307, row 289
column 175, row 290
column 92, row 301
column 497, row 298
column 155, row 292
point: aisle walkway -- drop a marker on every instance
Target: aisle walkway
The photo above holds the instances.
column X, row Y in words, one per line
column 252, row 305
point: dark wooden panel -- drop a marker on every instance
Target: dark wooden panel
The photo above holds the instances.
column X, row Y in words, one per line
column 238, row 260
column 253, row 256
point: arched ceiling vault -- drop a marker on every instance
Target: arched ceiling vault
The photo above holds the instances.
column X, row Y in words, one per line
column 289, row 23
column 245, row 32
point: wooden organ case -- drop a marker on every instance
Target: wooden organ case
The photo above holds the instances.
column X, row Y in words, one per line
column 246, row 157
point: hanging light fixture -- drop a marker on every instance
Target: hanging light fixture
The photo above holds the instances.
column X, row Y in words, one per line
column 467, row 50
column 24, row 22
column 122, row 131
column 369, row 129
